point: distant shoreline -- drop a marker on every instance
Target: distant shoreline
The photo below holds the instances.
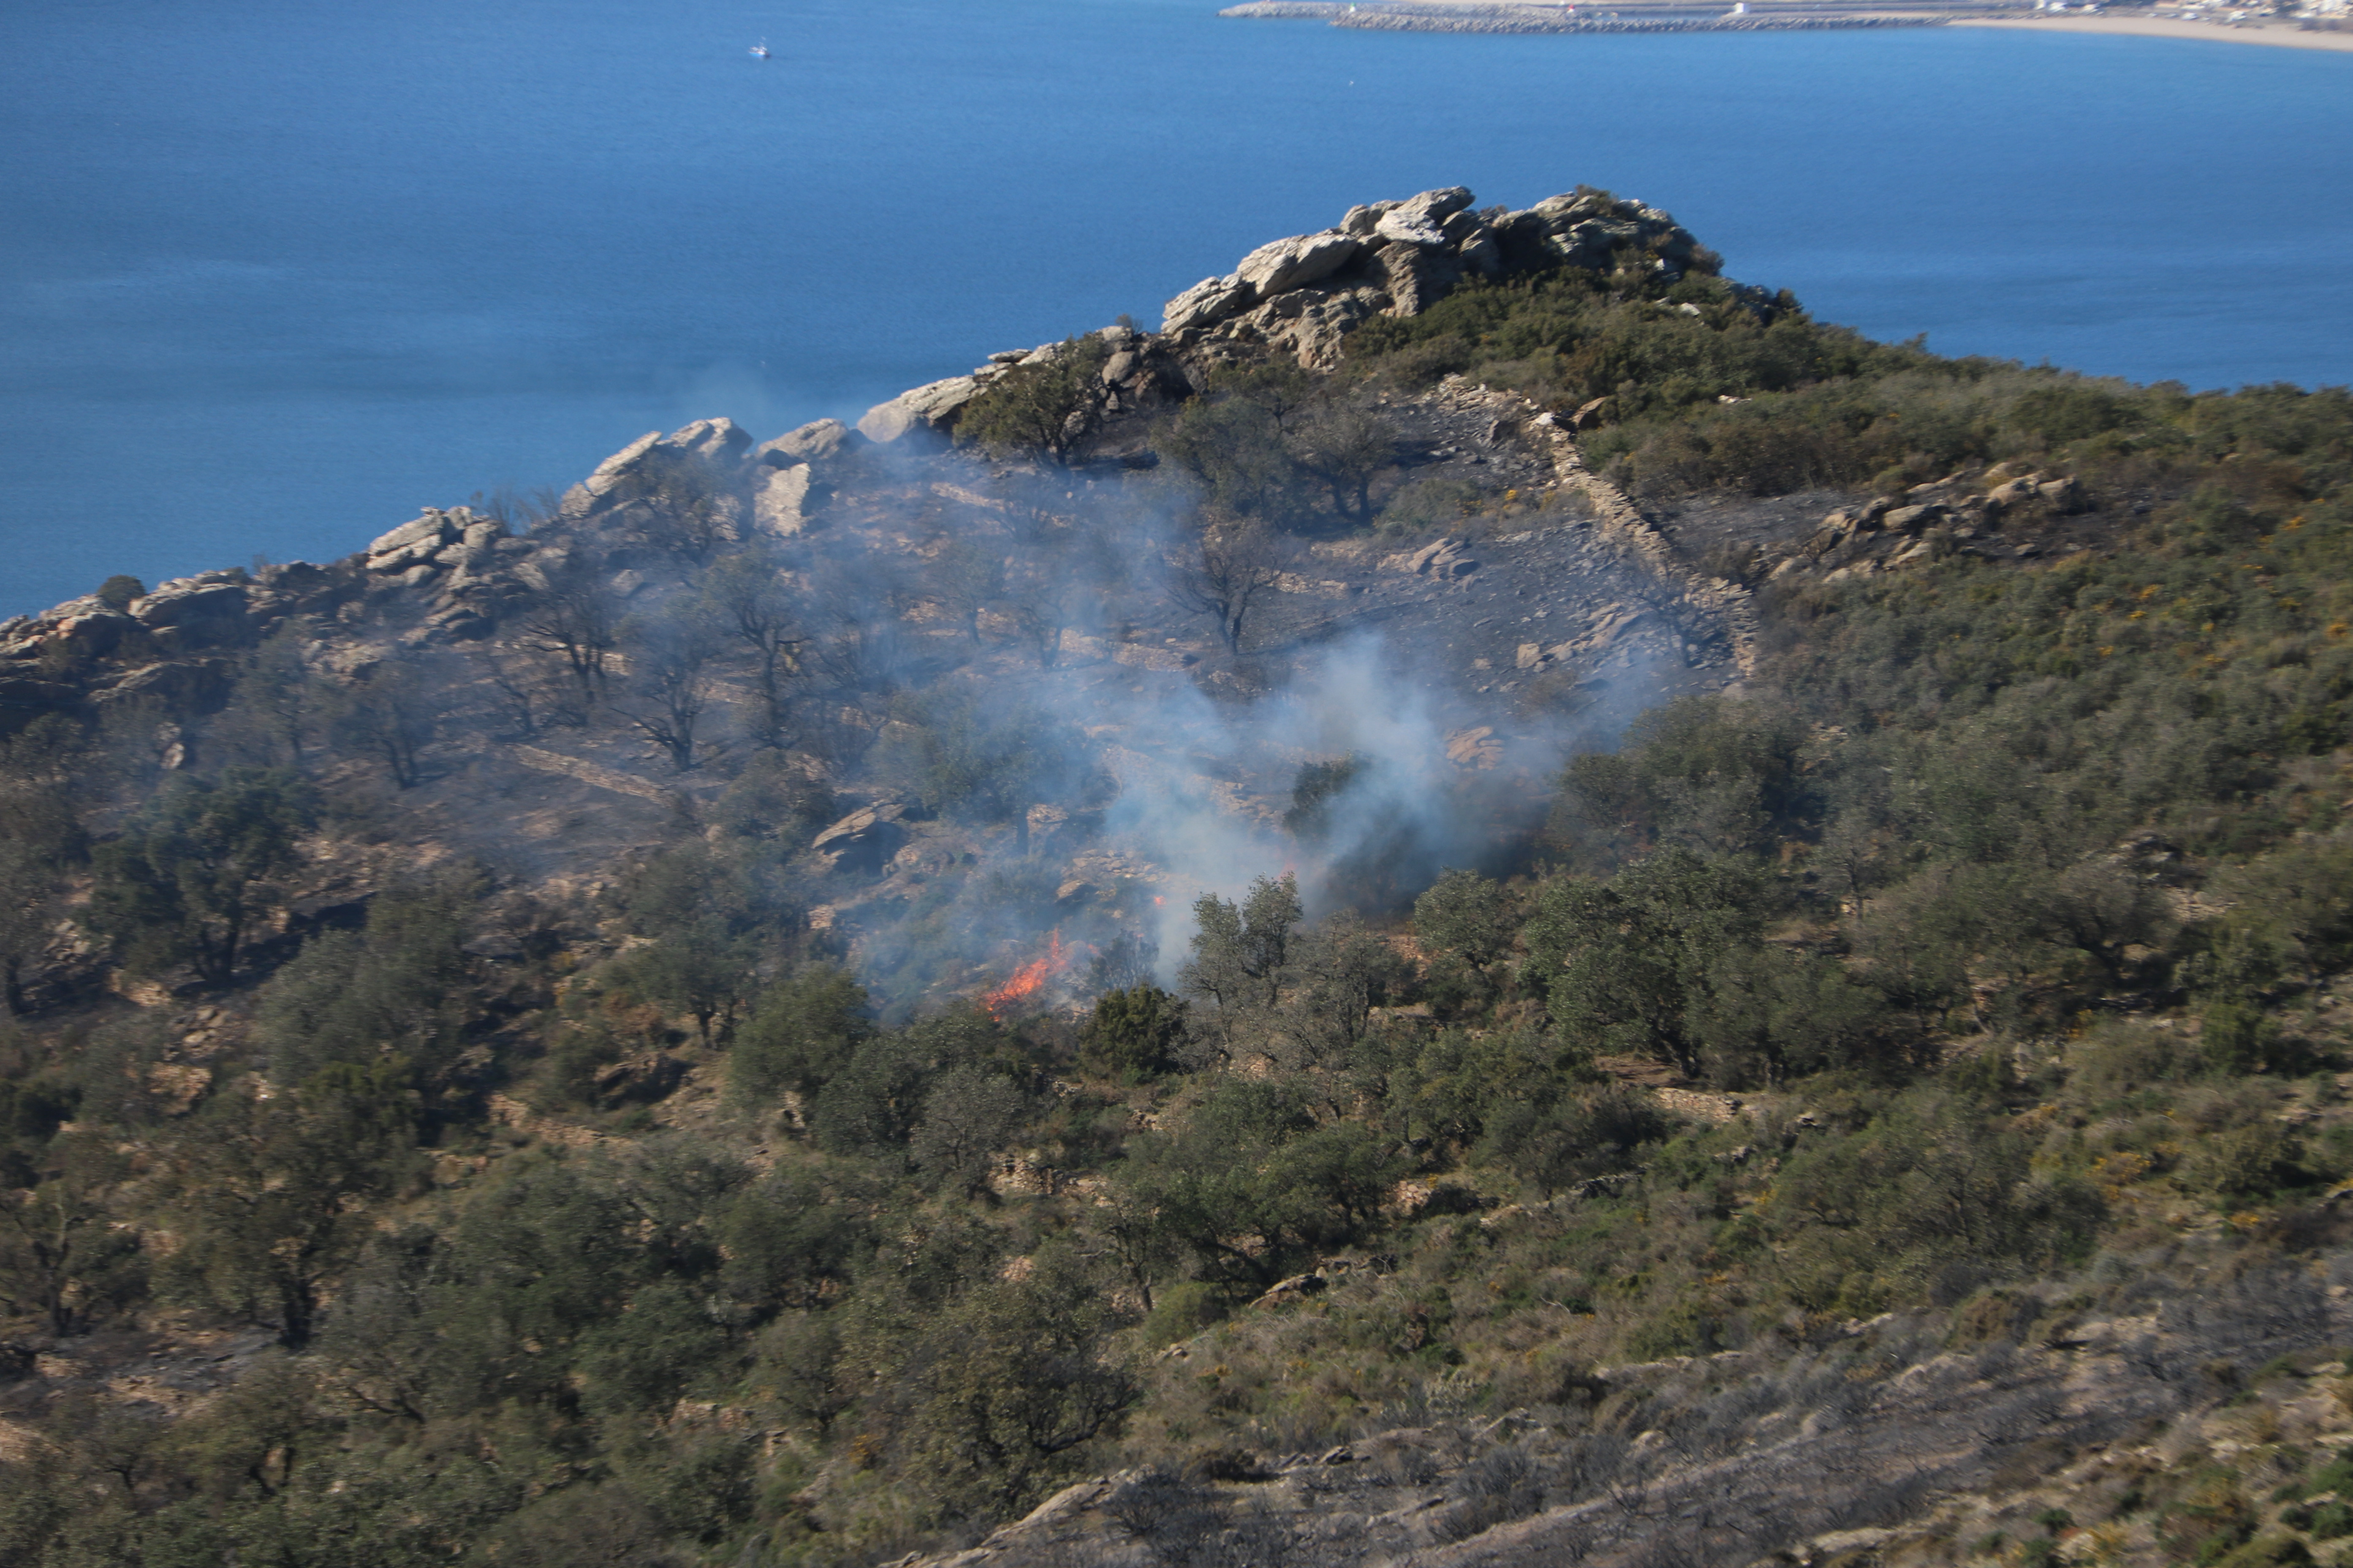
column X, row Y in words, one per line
column 1482, row 17
column 2286, row 37
column 1553, row 17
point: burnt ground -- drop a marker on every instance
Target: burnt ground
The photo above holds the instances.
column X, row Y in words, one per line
column 1465, row 621
column 1515, row 618
column 1877, row 1444
column 1522, row 628
column 1455, row 612
column 1715, row 531
column 1520, row 631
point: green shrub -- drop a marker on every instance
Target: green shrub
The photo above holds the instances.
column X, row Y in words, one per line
column 1181, row 1310
column 1133, row 1033
column 2270, row 1552
column 2238, row 1036
column 1048, row 409
column 801, row 1033
column 2245, row 1163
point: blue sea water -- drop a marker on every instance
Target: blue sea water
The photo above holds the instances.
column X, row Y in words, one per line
column 275, row 273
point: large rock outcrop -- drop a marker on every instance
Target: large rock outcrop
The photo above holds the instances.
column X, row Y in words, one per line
column 814, row 442
column 932, row 406
column 1300, row 295
column 173, row 648
column 1139, row 370
column 781, row 499
column 645, row 467
column 1304, row 294
column 610, row 477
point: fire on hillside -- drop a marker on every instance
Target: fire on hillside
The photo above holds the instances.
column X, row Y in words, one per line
column 1028, row 979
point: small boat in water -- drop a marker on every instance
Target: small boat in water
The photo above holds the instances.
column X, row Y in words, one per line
column 760, row 50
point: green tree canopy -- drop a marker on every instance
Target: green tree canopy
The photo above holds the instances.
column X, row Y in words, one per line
column 276, row 1189
column 802, row 1031
column 1133, row 1032
column 1627, row 963
column 195, row 870
column 1049, row 407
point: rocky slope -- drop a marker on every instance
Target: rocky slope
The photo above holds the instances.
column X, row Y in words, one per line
column 1542, row 605
column 453, row 577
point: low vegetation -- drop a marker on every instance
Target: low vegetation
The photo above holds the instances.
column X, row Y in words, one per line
column 1989, row 947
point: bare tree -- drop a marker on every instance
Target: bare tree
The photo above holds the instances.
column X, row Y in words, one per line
column 670, row 677
column 859, row 609
column 1069, row 554
column 519, row 512
column 967, row 577
column 1224, row 570
column 748, row 600
column 1344, row 445
column 277, row 710
column 519, row 688
column 573, row 618
column 1054, row 584
column 692, row 512
column 391, row 713
column 1039, row 506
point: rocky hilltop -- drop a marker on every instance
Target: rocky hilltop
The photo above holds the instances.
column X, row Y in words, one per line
column 1301, row 296
column 1535, row 593
column 466, row 576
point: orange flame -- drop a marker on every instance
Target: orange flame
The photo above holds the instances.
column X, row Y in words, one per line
column 1028, row 979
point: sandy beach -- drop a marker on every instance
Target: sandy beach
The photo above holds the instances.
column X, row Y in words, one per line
column 2287, row 36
